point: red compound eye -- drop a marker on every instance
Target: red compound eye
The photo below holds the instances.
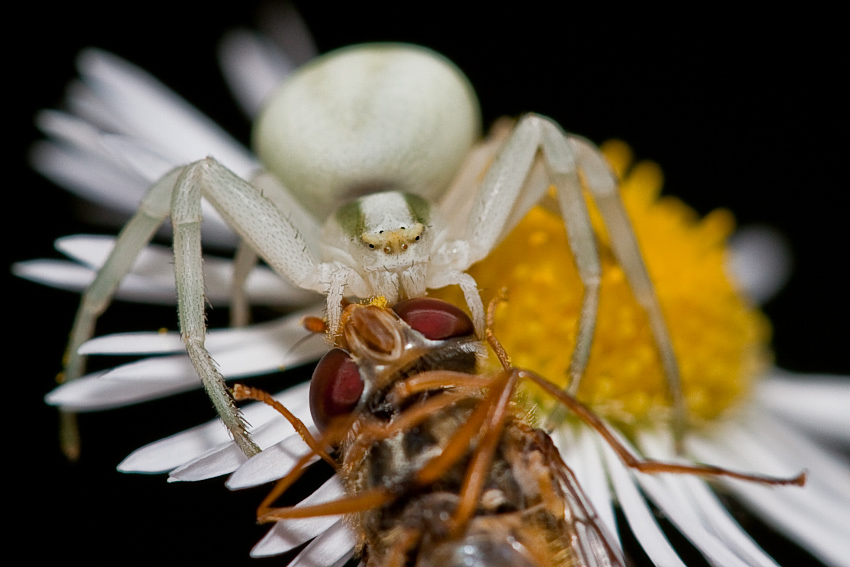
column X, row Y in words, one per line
column 434, row 318
column 335, row 388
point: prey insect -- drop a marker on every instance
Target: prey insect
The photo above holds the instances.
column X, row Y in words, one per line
column 440, row 465
column 370, row 187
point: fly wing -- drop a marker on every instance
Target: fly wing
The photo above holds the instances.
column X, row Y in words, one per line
column 592, row 543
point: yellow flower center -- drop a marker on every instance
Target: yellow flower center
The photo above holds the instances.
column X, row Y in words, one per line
column 719, row 338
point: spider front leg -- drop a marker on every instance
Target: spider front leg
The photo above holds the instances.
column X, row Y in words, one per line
column 135, row 235
column 265, row 228
column 246, row 257
column 280, row 239
column 539, row 153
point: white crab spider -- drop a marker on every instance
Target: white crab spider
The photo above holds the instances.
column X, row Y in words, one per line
column 378, row 140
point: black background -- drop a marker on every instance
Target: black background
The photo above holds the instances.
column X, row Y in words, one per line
column 743, row 111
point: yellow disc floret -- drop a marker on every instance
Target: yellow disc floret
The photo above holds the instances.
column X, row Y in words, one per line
column 719, row 338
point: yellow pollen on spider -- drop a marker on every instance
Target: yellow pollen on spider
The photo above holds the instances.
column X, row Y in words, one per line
column 393, row 241
column 720, row 339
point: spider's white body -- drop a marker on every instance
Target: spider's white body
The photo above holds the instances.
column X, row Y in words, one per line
column 368, row 118
column 377, row 141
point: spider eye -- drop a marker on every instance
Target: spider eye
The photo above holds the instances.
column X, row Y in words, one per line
column 434, row 318
column 335, row 388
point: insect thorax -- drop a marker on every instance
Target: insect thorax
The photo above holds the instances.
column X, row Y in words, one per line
column 520, row 516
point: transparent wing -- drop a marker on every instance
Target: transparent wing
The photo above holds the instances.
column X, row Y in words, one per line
column 592, row 543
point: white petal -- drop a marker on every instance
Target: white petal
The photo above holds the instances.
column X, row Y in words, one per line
column 818, row 403
column 129, row 155
column 155, row 268
column 89, row 176
column 253, row 67
column 825, row 540
column 157, row 115
column 154, row 262
column 112, row 170
column 151, row 164
column 673, row 500
column 75, row 132
column 267, row 354
column 330, row 548
column 152, row 278
column 271, row 464
column 159, row 377
column 641, row 519
column 342, row 561
column 239, row 352
column 166, row 369
column 164, row 375
column 136, row 343
column 268, row 429
column 769, row 445
column 216, row 462
column 110, row 182
column 169, row 453
column 711, row 513
column 254, row 64
column 815, row 516
column 286, row 332
column 286, row 535
column 93, row 393
column 578, row 449
column 283, row 24
column 84, row 102
column 146, row 161
column 670, row 494
column 760, row 261
column 227, row 458
column 74, row 277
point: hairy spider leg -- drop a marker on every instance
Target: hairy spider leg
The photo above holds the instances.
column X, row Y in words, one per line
column 135, row 235
column 256, row 215
column 513, row 184
column 246, row 257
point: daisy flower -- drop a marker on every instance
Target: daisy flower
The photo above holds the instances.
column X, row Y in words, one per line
column 747, row 414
